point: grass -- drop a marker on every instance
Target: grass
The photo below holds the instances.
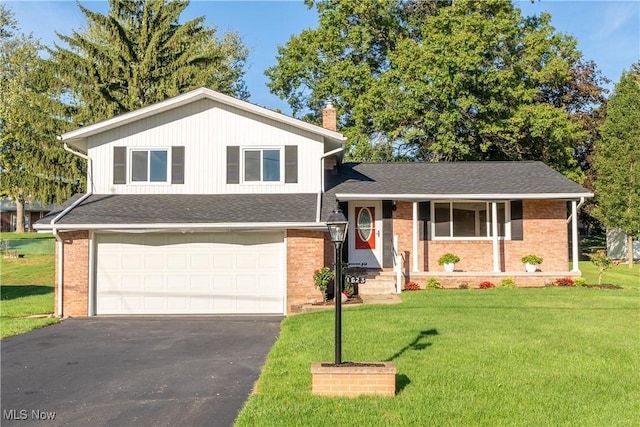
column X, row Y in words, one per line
column 26, row 289
column 546, row 356
column 620, row 275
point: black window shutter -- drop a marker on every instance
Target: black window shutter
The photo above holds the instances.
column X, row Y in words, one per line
column 291, row 164
column 233, row 165
column 516, row 220
column 424, row 216
column 177, row 165
column 119, row 165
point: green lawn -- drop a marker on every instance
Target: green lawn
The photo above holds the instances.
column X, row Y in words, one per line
column 26, row 290
column 497, row 357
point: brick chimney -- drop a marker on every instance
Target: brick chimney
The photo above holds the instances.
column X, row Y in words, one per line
column 329, row 120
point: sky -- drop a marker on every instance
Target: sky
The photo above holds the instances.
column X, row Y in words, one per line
column 607, row 31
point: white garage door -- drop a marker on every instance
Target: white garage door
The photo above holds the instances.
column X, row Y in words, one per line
column 194, row 273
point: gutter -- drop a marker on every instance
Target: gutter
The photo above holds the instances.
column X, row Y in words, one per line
column 324, row 156
column 55, row 229
column 582, row 200
column 191, row 227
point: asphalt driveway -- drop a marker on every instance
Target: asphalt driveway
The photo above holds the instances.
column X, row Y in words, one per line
column 170, row 371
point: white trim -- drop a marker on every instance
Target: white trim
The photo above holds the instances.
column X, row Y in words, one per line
column 414, row 245
column 574, row 238
column 432, row 197
column 494, row 237
column 91, row 309
column 186, row 227
column 485, row 227
column 76, row 136
column 285, row 257
column 130, row 151
column 262, row 149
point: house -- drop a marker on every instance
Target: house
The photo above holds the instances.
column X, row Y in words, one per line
column 32, row 212
column 206, row 204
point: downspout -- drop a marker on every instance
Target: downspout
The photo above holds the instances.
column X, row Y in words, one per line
column 582, row 200
column 319, row 201
column 59, row 240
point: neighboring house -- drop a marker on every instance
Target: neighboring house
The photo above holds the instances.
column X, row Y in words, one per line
column 618, row 245
column 32, row 212
column 206, row 204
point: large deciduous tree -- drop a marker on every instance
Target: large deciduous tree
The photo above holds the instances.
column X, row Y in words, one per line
column 617, row 160
column 32, row 163
column 444, row 80
column 139, row 53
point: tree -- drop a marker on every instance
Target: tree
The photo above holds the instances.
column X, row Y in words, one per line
column 617, row 160
column 33, row 164
column 139, row 54
column 439, row 80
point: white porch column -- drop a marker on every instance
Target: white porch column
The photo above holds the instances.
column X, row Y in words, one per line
column 494, row 228
column 414, row 249
column 574, row 237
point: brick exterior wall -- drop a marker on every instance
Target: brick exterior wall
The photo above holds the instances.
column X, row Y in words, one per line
column 76, row 274
column 305, row 254
column 544, row 233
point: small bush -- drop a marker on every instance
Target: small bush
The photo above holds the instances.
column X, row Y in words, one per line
column 580, row 281
column 433, row 283
column 448, row 258
column 566, row 282
column 507, row 283
column 463, row 286
column 486, row 285
column 531, row 259
column 411, row 286
column 602, row 261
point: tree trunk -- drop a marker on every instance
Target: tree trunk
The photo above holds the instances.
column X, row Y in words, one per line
column 19, row 215
column 630, row 250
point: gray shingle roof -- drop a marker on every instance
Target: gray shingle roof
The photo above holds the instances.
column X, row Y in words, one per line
column 452, row 178
column 188, row 209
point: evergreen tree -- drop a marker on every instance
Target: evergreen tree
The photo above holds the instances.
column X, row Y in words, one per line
column 617, row 160
column 32, row 162
column 139, row 53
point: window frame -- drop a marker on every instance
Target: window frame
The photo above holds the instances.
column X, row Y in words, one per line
column 261, row 150
column 488, row 223
column 130, row 165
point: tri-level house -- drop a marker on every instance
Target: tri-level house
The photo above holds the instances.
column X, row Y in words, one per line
column 205, row 204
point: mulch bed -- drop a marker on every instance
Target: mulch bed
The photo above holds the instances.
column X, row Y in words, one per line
column 353, row 364
column 355, row 299
column 603, row 286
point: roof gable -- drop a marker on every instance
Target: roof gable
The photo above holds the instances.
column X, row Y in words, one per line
column 78, row 137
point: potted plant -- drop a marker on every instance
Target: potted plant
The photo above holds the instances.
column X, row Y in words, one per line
column 531, row 262
column 448, row 260
column 321, row 279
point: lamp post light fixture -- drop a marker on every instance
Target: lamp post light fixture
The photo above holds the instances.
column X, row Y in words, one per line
column 337, row 225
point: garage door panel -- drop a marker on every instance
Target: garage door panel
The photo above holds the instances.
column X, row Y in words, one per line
column 206, row 273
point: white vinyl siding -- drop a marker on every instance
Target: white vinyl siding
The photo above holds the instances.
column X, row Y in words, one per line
column 205, row 130
column 194, row 273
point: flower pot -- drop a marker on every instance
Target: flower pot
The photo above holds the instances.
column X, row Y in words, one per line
column 531, row 268
column 449, row 267
column 344, row 297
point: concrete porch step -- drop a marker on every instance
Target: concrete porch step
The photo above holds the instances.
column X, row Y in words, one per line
column 378, row 284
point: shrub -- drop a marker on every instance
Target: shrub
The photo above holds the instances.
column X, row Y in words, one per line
column 321, row 279
column 463, row 286
column 531, row 259
column 448, row 258
column 411, row 286
column 580, row 281
column 486, row 285
column 433, row 283
column 507, row 283
column 565, row 282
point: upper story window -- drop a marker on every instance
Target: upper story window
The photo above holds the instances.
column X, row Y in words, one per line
column 269, row 165
column 262, row 165
column 468, row 220
column 149, row 165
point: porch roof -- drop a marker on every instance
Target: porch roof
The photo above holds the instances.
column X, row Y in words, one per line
column 452, row 180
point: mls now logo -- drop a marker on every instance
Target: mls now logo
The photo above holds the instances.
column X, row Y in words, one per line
column 23, row 414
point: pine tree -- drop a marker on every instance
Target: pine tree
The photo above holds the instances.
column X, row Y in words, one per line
column 139, row 53
column 32, row 162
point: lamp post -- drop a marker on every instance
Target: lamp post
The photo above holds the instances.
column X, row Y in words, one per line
column 337, row 225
